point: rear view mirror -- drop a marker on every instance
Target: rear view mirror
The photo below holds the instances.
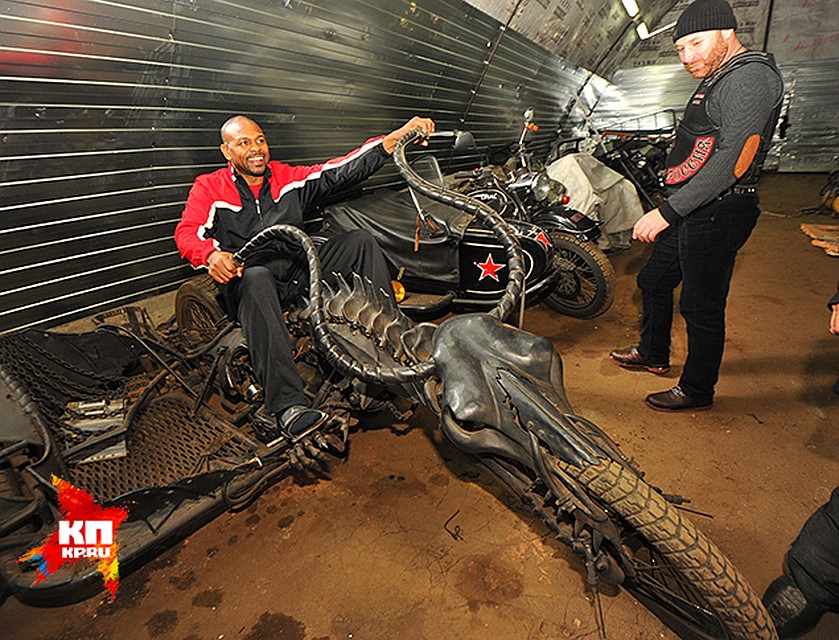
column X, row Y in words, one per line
column 463, row 140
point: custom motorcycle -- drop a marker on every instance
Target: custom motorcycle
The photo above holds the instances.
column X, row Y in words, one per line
column 104, row 409
column 521, row 192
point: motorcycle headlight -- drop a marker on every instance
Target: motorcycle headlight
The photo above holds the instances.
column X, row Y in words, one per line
column 546, row 187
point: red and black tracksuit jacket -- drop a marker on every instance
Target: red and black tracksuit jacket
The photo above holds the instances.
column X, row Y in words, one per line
column 221, row 212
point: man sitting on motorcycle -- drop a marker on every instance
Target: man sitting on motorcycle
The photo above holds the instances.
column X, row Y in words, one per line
column 230, row 206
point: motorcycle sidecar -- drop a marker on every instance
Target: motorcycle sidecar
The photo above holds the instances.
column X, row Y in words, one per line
column 445, row 259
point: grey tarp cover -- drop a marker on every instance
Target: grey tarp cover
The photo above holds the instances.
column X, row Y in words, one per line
column 599, row 192
column 391, row 217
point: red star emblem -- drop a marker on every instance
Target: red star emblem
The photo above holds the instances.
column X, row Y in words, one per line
column 488, row 269
column 541, row 237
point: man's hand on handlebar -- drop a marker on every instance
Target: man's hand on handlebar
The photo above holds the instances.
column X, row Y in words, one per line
column 390, row 140
column 221, row 267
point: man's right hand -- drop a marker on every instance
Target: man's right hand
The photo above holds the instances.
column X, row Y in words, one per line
column 390, row 140
column 834, row 320
column 221, row 267
column 649, row 226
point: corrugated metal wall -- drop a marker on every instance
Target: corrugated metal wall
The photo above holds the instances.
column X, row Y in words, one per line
column 808, row 140
column 802, row 37
column 811, row 122
column 108, row 110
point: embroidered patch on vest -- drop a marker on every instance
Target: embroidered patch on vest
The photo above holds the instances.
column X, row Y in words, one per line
column 698, row 156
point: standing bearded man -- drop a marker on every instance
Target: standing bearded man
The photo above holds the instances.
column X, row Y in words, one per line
column 712, row 172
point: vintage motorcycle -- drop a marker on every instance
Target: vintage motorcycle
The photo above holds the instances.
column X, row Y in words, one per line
column 446, row 260
column 105, row 409
column 641, row 160
column 637, row 149
column 521, row 192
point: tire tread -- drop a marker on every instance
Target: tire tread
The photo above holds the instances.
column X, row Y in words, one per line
column 691, row 553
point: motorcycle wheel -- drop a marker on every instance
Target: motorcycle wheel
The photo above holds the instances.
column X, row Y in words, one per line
column 197, row 311
column 680, row 575
column 586, row 285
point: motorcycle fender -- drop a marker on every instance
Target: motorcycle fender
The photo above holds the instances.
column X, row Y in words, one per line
column 569, row 221
column 499, row 378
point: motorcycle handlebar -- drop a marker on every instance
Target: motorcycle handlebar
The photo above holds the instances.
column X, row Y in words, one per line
column 486, row 214
column 336, row 356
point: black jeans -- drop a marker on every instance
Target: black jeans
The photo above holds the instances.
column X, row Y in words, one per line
column 813, row 559
column 256, row 300
column 698, row 252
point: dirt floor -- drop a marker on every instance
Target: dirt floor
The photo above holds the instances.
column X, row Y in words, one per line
column 406, row 539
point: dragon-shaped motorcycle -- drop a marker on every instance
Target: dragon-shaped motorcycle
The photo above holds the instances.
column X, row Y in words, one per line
column 99, row 408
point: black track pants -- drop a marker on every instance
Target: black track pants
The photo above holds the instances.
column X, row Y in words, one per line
column 256, row 301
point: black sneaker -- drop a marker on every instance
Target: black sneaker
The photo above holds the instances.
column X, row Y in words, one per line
column 299, row 421
column 789, row 609
column 265, row 428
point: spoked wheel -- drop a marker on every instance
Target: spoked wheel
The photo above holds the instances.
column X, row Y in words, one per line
column 196, row 309
column 681, row 575
column 675, row 571
column 586, row 284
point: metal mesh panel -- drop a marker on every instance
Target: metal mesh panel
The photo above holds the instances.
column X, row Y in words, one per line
column 56, row 369
column 164, row 444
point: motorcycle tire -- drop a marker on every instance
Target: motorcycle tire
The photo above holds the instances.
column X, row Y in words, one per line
column 680, row 575
column 197, row 311
column 585, row 287
column 672, row 546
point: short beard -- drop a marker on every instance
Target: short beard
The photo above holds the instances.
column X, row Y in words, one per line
column 718, row 53
column 715, row 57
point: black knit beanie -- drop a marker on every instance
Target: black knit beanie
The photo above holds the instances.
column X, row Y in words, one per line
column 705, row 15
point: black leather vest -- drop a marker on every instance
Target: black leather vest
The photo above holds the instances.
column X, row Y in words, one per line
column 697, row 136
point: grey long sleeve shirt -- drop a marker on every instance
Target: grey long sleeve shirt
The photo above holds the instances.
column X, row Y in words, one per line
column 740, row 104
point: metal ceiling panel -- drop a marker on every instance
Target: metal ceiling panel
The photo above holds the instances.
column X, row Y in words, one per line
column 752, row 19
column 594, row 34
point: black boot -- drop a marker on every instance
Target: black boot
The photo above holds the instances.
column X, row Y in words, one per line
column 789, row 609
